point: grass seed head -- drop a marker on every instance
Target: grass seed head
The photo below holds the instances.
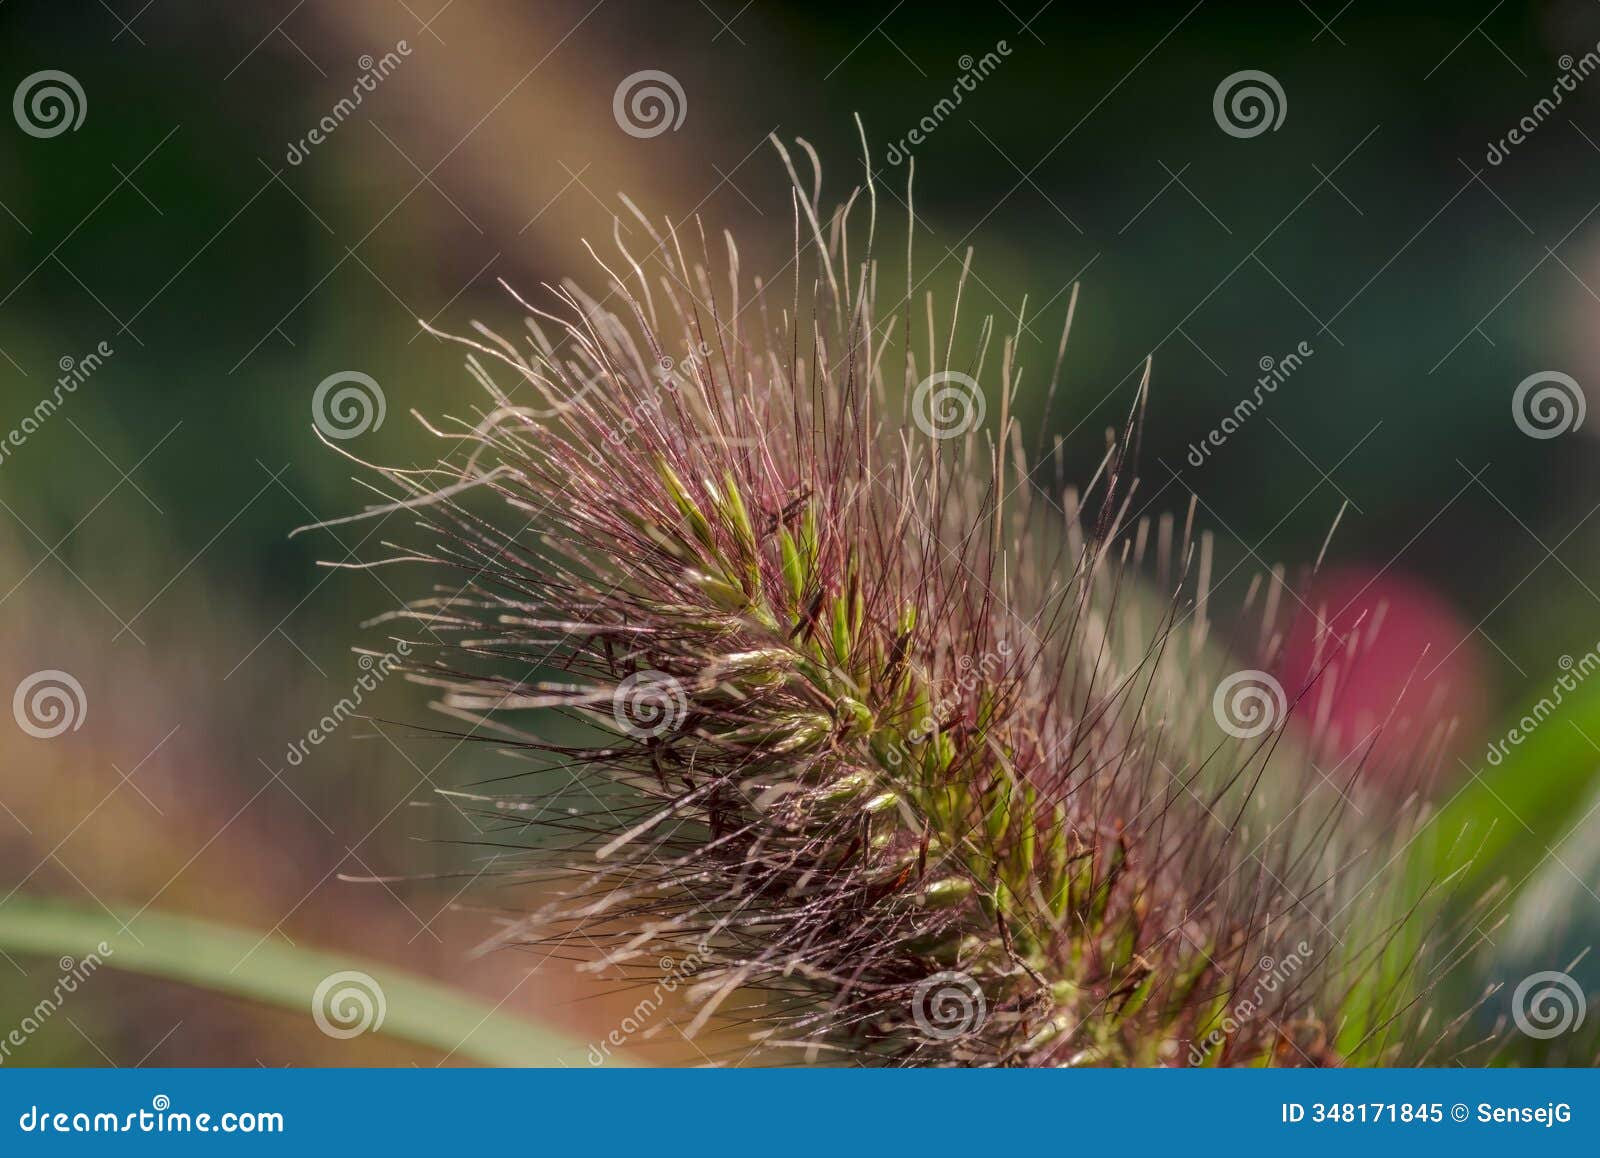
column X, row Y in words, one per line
column 883, row 723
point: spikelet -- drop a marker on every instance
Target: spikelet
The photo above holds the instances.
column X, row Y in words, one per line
column 879, row 726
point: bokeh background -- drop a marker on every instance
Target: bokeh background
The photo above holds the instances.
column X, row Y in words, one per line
column 229, row 268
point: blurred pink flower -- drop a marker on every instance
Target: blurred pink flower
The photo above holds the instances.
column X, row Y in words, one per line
column 1403, row 692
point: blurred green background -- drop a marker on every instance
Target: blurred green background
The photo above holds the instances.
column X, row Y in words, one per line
column 143, row 536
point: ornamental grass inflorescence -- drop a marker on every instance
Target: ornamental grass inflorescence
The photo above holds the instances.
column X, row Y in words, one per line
column 878, row 716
